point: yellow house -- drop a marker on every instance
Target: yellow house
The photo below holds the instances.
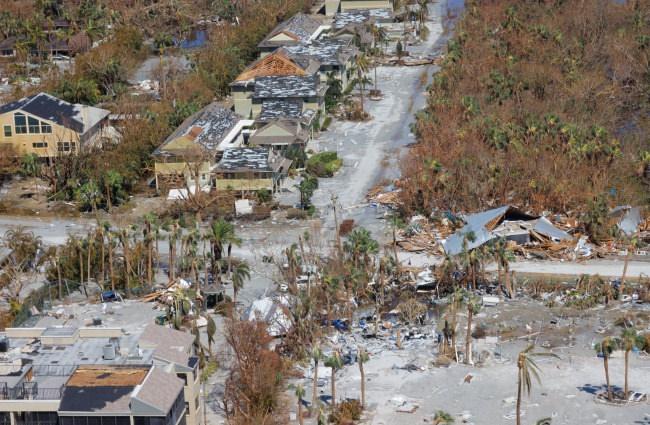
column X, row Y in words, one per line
column 47, row 126
column 249, row 169
column 187, row 155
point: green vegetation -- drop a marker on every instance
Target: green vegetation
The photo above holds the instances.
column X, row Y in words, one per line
column 324, row 164
column 529, row 108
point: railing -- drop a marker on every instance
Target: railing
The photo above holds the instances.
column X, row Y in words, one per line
column 30, row 391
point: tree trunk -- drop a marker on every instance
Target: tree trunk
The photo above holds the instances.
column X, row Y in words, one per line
column 625, row 264
column 58, row 275
column 90, row 250
column 468, row 341
column 314, row 395
column 103, row 252
column 519, row 398
column 627, row 359
column 606, row 365
column 81, row 271
column 127, row 266
column 363, row 385
column 300, row 419
column 508, row 284
column 110, row 264
column 333, row 388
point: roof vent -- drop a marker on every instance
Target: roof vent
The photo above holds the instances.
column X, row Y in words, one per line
column 109, row 352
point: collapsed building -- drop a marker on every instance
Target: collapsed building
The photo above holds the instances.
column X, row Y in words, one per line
column 505, row 222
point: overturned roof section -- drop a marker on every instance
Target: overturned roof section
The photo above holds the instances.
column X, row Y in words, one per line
column 205, row 129
column 628, row 218
column 298, row 28
column 482, row 227
column 77, row 117
column 286, row 87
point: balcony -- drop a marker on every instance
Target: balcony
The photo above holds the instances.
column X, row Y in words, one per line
column 29, row 391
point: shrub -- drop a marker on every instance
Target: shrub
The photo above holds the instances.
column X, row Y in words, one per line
column 346, row 413
column 324, row 164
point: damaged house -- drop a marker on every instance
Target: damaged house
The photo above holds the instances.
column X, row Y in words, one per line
column 505, row 222
column 300, row 28
column 249, row 169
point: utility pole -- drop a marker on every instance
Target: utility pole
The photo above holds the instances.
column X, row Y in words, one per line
column 335, row 199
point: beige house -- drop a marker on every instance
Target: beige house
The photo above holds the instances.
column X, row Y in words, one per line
column 282, row 134
column 48, row 127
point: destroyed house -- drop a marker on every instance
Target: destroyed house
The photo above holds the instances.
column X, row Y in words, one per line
column 297, row 29
column 189, row 152
column 47, row 126
column 98, row 375
column 347, row 5
column 250, row 169
column 276, row 64
column 505, row 222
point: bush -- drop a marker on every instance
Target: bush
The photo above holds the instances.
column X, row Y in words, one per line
column 346, row 413
column 324, row 164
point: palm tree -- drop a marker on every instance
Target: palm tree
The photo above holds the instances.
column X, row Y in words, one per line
column 335, row 363
column 360, row 67
column 300, row 393
column 240, row 274
column 629, row 340
column 632, row 245
column 316, row 356
column 211, row 331
column 363, row 357
column 124, row 240
column 527, row 368
column 503, row 256
column 221, row 234
column 473, row 307
column 442, row 417
column 605, row 348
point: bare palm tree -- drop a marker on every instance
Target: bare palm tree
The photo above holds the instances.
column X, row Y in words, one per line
column 527, row 369
column 362, row 358
column 316, row 356
column 335, row 363
column 473, row 307
column 629, row 340
column 605, row 348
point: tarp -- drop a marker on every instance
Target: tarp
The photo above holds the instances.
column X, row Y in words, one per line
column 629, row 223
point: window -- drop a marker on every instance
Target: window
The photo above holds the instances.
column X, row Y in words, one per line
column 183, row 377
column 39, row 145
column 7, row 131
column 66, row 146
column 20, row 123
column 34, row 125
column 46, row 128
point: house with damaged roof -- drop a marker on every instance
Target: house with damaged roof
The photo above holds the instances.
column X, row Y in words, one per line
column 300, row 28
column 505, row 222
column 334, row 6
column 48, row 127
column 186, row 157
column 249, row 169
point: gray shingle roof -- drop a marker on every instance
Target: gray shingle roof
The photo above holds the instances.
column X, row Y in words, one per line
column 280, row 108
column 160, row 390
column 329, row 51
column 361, row 15
column 286, row 87
column 300, row 25
column 242, row 159
column 208, row 126
column 79, row 118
